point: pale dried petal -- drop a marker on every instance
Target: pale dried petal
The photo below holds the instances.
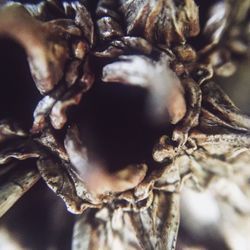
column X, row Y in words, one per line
column 46, row 44
column 20, row 149
column 157, row 227
column 89, row 172
column 166, row 92
column 222, row 104
column 154, row 228
column 104, row 230
column 58, row 179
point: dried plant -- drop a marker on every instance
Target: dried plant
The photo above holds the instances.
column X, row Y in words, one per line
column 161, row 47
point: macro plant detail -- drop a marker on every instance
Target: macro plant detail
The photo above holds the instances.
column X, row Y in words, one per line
column 174, row 55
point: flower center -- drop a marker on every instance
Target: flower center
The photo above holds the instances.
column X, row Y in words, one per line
column 115, row 126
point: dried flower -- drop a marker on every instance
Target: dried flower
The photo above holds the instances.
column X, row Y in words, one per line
column 74, row 47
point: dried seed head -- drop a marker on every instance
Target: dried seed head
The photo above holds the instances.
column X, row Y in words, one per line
column 207, row 141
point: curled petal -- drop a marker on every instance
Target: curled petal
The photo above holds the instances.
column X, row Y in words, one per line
column 58, row 179
column 58, row 113
column 215, row 101
column 44, row 107
column 20, row 149
column 46, row 43
column 166, row 93
column 91, row 171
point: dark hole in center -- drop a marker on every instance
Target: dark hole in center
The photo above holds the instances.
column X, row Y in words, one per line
column 114, row 123
column 112, row 118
